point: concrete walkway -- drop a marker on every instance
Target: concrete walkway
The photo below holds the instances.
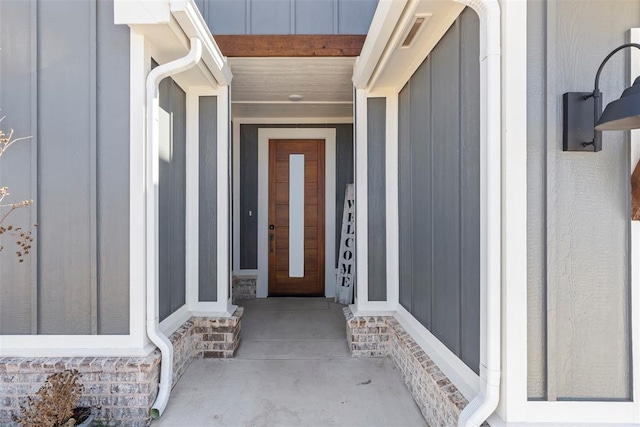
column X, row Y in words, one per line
column 293, row 368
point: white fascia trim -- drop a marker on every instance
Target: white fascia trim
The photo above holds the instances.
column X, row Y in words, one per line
column 193, row 24
column 384, row 22
column 141, row 12
column 513, row 393
column 190, row 24
column 329, row 135
column 71, row 346
column 465, row 380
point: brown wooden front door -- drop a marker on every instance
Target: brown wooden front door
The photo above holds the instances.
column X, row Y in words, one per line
column 296, row 217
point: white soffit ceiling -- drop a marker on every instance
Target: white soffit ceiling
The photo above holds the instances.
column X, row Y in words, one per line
column 261, row 87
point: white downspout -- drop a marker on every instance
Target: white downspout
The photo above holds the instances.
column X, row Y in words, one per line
column 153, row 172
column 481, row 408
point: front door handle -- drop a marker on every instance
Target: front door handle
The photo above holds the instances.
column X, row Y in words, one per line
column 271, row 238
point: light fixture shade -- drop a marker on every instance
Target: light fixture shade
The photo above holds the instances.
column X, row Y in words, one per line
column 623, row 113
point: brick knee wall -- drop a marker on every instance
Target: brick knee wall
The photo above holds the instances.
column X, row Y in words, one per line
column 122, row 388
column 243, row 288
column 217, row 337
column 380, row 336
column 368, row 336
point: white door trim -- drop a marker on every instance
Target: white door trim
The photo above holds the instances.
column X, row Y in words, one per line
column 264, row 135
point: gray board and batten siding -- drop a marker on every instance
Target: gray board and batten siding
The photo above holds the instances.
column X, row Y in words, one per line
column 207, row 218
column 439, row 191
column 249, row 183
column 64, row 80
column 288, row 16
column 579, row 341
column 377, row 201
column 172, row 191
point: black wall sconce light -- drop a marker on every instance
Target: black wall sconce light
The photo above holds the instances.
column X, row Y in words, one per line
column 583, row 122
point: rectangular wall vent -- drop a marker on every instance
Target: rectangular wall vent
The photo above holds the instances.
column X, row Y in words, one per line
column 418, row 24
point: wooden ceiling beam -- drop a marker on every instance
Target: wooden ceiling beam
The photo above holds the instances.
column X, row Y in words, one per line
column 290, row 45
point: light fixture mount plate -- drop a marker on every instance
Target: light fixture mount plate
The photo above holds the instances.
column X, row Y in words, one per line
column 578, row 113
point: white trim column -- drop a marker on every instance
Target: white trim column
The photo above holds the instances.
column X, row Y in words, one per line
column 392, row 214
column 361, row 198
column 513, row 392
column 224, row 201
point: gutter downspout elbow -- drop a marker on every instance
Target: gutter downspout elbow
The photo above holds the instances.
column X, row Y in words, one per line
column 487, row 400
column 154, row 78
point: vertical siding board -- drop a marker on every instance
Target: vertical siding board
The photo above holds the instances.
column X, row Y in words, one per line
column 112, row 172
column 288, row 16
column 405, row 209
column 344, row 174
column 376, row 224
column 470, row 188
column 164, row 202
column 421, row 194
column 446, row 190
column 270, row 17
column 421, row 170
column 354, row 17
column 64, row 196
column 207, row 241
column 313, row 17
column 172, row 198
column 536, row 218
column 225, row 16
column 18, row 98
column 178, row 197
column 248, row 196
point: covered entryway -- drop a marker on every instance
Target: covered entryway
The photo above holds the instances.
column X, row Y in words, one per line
column 293, row 156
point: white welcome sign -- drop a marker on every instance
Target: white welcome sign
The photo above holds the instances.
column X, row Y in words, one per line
column 346, row 259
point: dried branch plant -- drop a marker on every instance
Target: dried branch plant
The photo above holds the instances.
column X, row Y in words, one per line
column 53, row 405
column 22, row 237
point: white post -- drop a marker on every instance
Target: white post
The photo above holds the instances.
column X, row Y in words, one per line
column 223, row 182
column 361, row 187
column 391, row 188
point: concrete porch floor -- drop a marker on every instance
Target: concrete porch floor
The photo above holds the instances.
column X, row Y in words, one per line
column 293, row 368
